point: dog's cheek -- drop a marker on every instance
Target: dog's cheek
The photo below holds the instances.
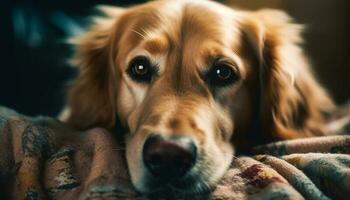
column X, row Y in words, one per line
column 125, row 102
column 240, row 109
column 220, row 156
column 134, row 160
column 217, row 150
column 130, row 97
column 223, row 150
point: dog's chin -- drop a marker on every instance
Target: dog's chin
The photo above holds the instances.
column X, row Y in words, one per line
column 190, row 184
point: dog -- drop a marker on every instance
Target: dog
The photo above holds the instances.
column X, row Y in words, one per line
column 192, row 82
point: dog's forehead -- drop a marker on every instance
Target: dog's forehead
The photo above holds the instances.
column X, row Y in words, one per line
column 184, row 26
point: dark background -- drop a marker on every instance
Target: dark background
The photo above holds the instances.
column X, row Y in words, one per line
column 34, row 71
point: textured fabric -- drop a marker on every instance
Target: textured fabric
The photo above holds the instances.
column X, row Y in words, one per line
column 41, row 158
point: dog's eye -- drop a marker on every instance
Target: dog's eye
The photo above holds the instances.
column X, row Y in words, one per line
column 222, row 75
column 140, row 69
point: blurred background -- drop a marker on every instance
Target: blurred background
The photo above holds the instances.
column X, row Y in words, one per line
column 34, row 71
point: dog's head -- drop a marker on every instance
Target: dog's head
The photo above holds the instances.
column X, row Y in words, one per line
column 191, row 80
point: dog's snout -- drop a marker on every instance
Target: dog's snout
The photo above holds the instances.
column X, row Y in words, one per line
column 168, row 158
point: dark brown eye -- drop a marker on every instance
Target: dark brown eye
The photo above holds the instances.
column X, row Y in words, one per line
column 141, row 70
column 222, row 75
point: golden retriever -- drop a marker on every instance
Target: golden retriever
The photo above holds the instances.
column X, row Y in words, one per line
column 191, row 81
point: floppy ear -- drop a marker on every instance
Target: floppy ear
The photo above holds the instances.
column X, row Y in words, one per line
column 293, row 103
column 91, row 96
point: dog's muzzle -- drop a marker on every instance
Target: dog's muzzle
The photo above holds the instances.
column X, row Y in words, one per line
column 169, row 158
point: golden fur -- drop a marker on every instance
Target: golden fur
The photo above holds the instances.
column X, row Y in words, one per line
column 276, row 87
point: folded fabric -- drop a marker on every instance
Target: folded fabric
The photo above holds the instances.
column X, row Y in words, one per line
column 42, row 158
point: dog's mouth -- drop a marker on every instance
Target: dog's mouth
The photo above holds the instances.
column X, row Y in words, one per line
column 190, row 184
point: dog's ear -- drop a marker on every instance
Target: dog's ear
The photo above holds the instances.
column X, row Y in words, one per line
column 293, row 103
column 91, row 97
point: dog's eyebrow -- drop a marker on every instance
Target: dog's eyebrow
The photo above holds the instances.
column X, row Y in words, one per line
column 156, row 45
column 213, row 54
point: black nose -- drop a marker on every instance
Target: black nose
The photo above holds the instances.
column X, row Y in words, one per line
column 169, row 158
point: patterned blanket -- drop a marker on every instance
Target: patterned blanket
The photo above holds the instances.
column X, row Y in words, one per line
column 41, row 158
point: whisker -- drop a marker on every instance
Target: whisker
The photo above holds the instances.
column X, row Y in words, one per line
column 138, row 33
column 145, row 32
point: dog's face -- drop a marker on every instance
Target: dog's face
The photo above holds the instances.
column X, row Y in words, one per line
column 183, row 89
column 186, row 79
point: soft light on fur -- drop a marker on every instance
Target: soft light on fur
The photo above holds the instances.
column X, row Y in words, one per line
column 276, row 88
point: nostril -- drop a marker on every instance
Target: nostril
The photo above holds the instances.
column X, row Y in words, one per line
column 171, row 157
